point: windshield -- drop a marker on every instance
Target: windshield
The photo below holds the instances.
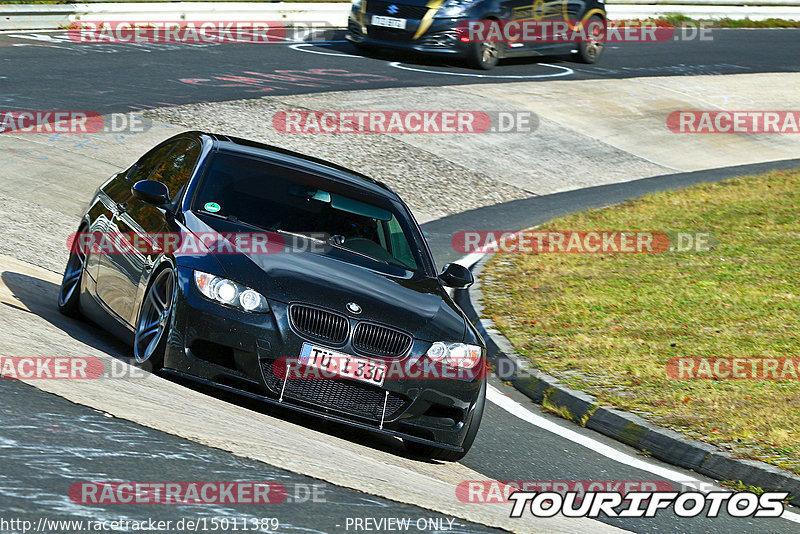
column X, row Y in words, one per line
column 278, row 199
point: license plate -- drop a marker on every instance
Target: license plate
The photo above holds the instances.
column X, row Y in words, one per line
column 332, row 363
column 389, row 22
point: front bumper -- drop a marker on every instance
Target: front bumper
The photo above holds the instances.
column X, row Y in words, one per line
column 235, row 350
column 440, row 38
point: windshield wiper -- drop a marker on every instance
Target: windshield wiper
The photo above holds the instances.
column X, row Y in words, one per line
column 217, row 215
column 236, row 220
column 302, row 236
column 332, row 245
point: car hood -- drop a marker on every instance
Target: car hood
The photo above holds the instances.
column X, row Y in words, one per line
column 418, row 304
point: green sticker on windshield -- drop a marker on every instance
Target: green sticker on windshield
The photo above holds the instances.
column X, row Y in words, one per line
column 213, row 207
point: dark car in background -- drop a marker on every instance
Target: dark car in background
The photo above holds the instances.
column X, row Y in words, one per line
column 433, row 27
column 353, row 282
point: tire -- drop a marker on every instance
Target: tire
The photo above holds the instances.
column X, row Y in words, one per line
column 152, row 327
column 70, row 292
column 445, row 455
column 483, row 56
column 589, row 52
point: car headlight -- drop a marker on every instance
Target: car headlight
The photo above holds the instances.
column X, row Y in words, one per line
column 453, row 8
column 455, row 354
column 230, row 293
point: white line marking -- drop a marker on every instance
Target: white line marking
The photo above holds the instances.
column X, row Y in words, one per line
column 312, row 31
column 471, row 259
column 301, row 48
column 566, row 72
column 516, row 409
column 11, row 32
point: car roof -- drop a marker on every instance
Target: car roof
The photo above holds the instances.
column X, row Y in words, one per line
column 316, row 166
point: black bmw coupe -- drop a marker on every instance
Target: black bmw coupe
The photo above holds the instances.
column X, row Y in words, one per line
column 284, row 278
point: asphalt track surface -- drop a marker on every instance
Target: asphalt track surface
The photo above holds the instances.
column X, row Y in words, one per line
column 48, row 73
column 47, row 444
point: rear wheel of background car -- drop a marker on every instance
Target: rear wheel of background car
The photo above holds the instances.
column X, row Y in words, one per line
column 589, row 51
column 437, row 453
column 152, row 328
column 484, row 56
column 70, row 292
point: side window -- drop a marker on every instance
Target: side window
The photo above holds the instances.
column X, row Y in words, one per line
column 174, row 170
column 148, row 162
column 399, row 245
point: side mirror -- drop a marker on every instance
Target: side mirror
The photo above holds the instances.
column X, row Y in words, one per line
column 152, row 192
column 456, row 276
